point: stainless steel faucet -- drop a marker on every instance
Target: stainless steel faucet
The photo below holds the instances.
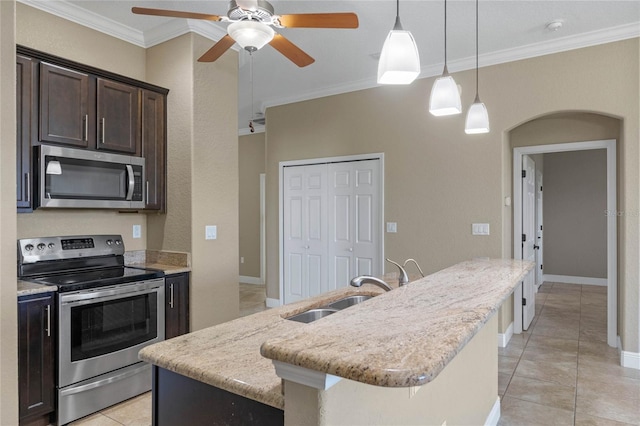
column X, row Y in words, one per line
column 367, row 279
column 403, row 278
column 416, row 263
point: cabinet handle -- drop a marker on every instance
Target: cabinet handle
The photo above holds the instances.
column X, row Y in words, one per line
column 147, row 194
column 48, row 308
column 103, row 127
column 86, row 127
column 171, row 296
column 27, row 178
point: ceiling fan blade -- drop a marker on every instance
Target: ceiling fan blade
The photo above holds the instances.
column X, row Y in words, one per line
column 320, row 20
column 291, row 51
column 217, row 50
column 174, row 13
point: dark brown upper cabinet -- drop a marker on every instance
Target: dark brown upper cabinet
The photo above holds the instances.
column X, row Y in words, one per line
column 25, row 101
column 154, row 148
column 67, row 115
column 118, row 117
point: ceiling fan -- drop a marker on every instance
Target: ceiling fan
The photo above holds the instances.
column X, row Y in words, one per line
column 251, row 27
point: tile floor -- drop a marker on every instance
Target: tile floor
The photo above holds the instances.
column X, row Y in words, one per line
column 561, row 371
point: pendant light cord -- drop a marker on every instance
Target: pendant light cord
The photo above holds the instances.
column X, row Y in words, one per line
column 445, row 34
column 476, row 48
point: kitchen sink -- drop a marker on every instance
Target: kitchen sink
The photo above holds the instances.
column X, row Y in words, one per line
column 348, row 301
column 315, row 314
column 312, row 315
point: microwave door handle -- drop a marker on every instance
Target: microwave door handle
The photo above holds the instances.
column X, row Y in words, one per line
column 132, row 182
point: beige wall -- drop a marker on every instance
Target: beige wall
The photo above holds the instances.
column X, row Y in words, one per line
column 48, row 33
column 575, row 223
column 438, row 180
column 8, row 305
column 251, row 164
column 462, row 394
column 202, row 172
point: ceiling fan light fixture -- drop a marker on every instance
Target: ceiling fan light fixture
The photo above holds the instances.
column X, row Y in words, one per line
column 399, row 60
column 445, row 97
column 251, row 35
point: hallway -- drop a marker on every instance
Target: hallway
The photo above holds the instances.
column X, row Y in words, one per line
column 561, row 371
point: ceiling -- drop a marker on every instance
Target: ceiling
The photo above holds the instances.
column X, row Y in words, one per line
column 346, row 60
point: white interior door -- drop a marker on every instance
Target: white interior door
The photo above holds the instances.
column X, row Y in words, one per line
column 528, row 237
column 305, row 231
column 354, row 230
column 539, row 232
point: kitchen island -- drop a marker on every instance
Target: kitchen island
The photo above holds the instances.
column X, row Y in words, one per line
column 425, row 352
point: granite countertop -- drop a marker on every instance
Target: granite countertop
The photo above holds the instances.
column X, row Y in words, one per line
column 27, row 288
column 403, row 337
column 171, row 262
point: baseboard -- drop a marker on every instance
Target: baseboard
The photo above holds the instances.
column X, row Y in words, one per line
column 251, row 280
column 567, row 279
column 503, row 338
column 628, row 359
column 494, row 415
column 272, row 303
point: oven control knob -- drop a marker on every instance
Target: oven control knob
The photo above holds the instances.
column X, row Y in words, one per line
column 28, row 247
column 109, row 242
column 118, row 242
column 41, row 246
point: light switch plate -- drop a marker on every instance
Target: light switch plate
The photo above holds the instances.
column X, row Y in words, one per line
column 210, row 232
column 392, row 227
column 480, row 229
column 137, row 231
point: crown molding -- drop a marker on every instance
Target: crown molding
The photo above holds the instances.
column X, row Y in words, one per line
column 68, row 11
column 593, row 38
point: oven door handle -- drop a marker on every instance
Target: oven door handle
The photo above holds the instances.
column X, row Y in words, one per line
column 111, row 293
column 132, row 182
column 113, row 379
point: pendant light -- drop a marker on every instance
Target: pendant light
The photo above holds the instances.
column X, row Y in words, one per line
column 399, row 61
column 477, row 116
column 445, row 96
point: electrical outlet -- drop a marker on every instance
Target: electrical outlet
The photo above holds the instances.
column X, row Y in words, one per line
column 241, row 259
column 137, row 231
column 210, row 232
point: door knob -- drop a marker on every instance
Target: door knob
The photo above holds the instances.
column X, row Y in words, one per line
column 350, row 249
column 536, row 247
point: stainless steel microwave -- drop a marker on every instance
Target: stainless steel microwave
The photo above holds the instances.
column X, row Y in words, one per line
column 77, row 178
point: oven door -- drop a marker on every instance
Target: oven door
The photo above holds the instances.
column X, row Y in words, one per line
column 103, row 329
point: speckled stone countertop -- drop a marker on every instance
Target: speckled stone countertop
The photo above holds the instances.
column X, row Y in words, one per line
column 399, row 338
column 26, row 288
column 171, row 262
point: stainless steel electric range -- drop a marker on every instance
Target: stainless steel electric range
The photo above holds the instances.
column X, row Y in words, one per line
column 106, row 313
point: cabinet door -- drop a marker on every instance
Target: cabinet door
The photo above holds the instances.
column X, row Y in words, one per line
column 35, row 355
column 65, row 106
column 118, row 117
column 24, row 105
column 177, row 305
column 154, row 144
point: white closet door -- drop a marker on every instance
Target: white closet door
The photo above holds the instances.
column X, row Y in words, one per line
column 305, row 231
column 354, row 223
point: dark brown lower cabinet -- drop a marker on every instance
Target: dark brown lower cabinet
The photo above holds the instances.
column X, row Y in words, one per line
column 176, row 296
column 36, row 359
column 180, row 400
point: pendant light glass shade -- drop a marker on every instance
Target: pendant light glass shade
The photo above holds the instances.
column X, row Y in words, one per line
column 399, row 60
column 445, row 96
column 477, row 118
column 251, row 35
